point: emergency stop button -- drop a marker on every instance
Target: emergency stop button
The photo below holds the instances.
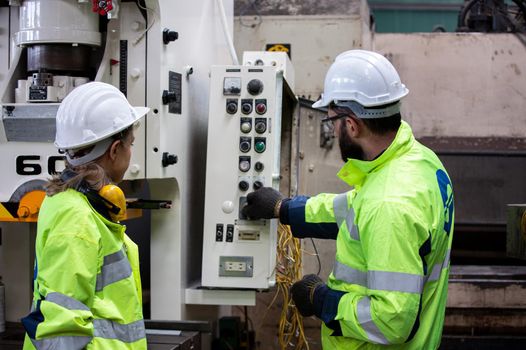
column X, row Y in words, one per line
column 255, row 87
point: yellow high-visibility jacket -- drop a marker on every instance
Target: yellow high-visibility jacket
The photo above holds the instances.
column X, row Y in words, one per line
column 393, row 240
column 87, row 288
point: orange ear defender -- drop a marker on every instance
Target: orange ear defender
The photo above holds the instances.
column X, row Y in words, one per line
column 115, row 200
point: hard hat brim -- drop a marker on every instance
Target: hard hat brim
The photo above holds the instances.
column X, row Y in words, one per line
column 320, row 104
column 141, row 111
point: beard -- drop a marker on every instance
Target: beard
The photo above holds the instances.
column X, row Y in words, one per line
column 349, row 148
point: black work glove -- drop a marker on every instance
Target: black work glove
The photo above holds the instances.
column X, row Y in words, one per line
column 308, row 295
column 263, row 204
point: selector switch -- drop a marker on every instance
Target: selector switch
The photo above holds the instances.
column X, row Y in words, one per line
column 257, row 185
column 245, row 143
column 259, row 166
column 255, row 87
column 246, row 125
column 246, row 106
column 261, row 125
column 244, row 185
column 261, row 106
column 260, row 144
column 231, row 106
column 244, row 163
column 229, row 233
column 219, row 232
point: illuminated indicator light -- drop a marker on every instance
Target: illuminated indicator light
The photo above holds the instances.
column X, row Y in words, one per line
column 246, row 127
column 261, row 108
column 259, row 146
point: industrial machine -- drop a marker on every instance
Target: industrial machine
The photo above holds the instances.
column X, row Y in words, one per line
column 492, row 16
column 153, row 53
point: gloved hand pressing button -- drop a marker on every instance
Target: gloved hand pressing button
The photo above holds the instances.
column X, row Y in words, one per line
column 263, row 204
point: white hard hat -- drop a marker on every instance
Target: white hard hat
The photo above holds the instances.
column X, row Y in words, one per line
column 91, row 113
column 360, row 78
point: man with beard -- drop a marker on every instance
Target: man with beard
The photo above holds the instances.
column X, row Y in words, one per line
column 393, row 230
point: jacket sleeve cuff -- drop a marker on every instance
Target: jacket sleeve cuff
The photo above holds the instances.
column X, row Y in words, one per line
column 329, row 300
column 292, row 213
column 284, row 211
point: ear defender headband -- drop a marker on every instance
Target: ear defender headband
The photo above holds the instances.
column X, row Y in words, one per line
column 109, row 201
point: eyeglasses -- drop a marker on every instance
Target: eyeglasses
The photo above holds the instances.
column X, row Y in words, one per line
column 335, row 117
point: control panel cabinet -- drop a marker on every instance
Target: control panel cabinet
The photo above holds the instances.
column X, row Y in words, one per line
column 244, row 132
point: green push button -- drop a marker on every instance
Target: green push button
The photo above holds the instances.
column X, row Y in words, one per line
column 260, row 146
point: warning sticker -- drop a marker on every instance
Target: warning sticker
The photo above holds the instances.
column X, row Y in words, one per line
column 279, row 48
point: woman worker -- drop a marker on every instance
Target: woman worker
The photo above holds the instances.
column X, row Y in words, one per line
column 87, row 288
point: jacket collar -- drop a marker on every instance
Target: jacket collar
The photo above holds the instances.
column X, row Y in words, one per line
column 355, row 171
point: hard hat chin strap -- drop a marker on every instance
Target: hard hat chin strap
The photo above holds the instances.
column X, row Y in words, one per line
column 370, row 113
column 98, row 150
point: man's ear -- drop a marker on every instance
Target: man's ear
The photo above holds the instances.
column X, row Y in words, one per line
column 113, row 150
column 354, row 126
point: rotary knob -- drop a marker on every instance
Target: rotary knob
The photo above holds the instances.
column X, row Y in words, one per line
column 257, row 185
column 243, row 185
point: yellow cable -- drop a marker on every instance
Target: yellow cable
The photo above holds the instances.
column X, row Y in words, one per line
column 291, row 334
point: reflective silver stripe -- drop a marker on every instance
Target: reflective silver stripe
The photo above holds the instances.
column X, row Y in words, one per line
column 116, row 267
column 364, row 317
column 437, row 268
column 343, row 213
column 395, row 281
column 61, row 343
column 353, row 229
column 379, row 280
column 110, row 259
column 127, row 333
column 348, row 274
column 340, row 208
column 65, row 301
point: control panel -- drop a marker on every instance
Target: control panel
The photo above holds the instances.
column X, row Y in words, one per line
column 244, row 132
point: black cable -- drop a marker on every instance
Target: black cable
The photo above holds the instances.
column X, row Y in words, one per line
column 317, row 256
